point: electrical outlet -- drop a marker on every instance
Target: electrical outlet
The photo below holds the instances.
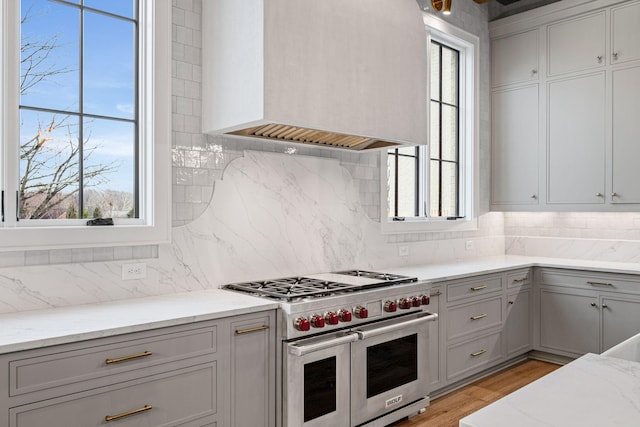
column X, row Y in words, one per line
column 468, row 245
column 134, row 271
column 403, row 250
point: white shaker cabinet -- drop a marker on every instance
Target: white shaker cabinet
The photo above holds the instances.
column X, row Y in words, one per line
column 626, row 135
column 577, row 44
column 514, row 148
column 576, row 140
column 625, row 33
column 514, row 59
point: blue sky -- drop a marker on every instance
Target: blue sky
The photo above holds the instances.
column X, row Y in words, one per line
column 108, row 76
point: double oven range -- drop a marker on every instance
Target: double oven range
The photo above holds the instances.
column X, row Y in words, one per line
column 353, row 347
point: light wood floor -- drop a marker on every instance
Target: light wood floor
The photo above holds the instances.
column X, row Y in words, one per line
column 447, row 410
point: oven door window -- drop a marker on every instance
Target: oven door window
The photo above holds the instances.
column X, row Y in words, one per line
column 392, row 364
column 319, row 388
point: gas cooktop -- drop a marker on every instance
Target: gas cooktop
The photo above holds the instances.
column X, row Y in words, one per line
column 315, row 286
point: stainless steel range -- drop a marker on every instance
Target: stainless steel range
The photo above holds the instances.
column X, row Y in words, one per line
column 353, row 347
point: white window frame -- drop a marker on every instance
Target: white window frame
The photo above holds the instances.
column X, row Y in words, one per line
column 154, row 223
column 468, row 46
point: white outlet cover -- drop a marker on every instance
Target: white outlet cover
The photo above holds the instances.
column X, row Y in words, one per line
column 134, row 271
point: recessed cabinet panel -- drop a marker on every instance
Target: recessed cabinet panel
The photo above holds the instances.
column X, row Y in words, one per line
column 514, row 156
column 569, row 322
column 578, row 44
column 471, row 356
column 514, row 59
column 620, row 320
column 626, row 135
column 576, row 140
column 435, row 361
column 517, row 323
column 471, row 318
column 625, row 33
column 165, row 400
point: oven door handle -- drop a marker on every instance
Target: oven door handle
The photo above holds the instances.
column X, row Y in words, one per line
column 301, row 350
column 431, row 317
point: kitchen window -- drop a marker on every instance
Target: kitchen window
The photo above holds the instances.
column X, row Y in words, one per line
column 434, row 186
column 85, row 122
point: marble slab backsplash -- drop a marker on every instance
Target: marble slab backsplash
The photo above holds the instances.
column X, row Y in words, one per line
column 602, row 236
column 271, row 215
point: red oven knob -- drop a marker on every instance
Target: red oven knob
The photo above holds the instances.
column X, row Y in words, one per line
column 361, row 312
column 390, row 306
column 425, row 299
column 331, row 318
column 345, row 315
column 317, row 321
column 404, row 303
column 302, row 324
column 416, row 301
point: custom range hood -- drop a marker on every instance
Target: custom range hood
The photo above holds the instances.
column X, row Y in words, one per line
column 339, row 73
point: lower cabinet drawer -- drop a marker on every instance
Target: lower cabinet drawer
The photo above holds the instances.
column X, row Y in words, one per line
column 473, row 355
column 472, row 318
column 185, row 397
column 67, row 365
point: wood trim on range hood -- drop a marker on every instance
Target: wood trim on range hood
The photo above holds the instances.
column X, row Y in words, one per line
column 340, row 73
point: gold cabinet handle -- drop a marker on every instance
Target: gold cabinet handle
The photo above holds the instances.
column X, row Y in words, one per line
column 436, row 294
column 520, row 280
column 479, row 288
column 479, row 316
column 478, row 353
column 145, row 408
column 249, row 330
column 123, row 359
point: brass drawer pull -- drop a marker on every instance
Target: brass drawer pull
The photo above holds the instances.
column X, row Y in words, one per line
column 436, row 294
column 128, row 414
column 479, row 288
column 123, row 359
column 600, row 284
column 479, row 316
column 478, row 353
column 520, row 280
column 248, row 331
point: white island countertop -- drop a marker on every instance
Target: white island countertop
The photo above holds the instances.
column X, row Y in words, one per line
column 593, row 390
column 42, row 328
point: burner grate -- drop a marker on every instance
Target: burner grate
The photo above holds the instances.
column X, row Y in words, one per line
column 292, row 289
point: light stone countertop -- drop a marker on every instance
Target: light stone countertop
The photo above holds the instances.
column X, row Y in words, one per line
column 593, row 390
column 459, row 270
column 41, row 328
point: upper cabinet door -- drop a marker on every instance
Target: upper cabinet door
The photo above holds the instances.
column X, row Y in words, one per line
column 578, row 44
column 514, row 59
column 514, row 146
column 626, row 131
column 576, row 140
column 625, row 33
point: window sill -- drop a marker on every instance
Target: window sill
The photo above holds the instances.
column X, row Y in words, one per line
column 428, row 226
